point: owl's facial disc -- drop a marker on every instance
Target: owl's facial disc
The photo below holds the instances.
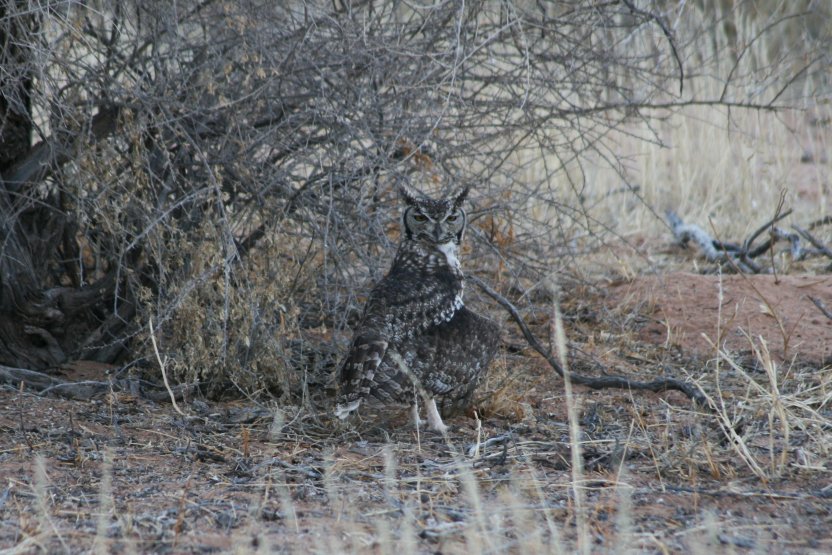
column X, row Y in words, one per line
column 440, row 226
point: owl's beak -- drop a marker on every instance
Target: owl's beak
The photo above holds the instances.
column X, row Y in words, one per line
column 437, row 234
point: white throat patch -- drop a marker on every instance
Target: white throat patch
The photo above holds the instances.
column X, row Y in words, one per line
column 450, row 249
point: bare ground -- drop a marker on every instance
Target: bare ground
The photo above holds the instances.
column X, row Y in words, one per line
column 122, row 474
column 695, row 313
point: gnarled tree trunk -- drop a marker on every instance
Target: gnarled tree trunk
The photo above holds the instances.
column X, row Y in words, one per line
column 47, row 316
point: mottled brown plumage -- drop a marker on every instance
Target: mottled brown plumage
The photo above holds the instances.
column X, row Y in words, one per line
column 416, row 335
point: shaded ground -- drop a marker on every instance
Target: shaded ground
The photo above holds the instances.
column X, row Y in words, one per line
column 187, row 487
column 125, row 474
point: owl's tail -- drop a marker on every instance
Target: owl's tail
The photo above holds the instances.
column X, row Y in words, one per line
column 358, row 371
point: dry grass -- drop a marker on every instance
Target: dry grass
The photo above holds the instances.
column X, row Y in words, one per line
column 723, row 170
column 656, row 476
column 591, row 471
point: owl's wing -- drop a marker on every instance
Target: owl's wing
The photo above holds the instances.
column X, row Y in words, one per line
column 400, row 306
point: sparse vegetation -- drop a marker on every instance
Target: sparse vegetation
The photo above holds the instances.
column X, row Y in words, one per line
column 225, row 170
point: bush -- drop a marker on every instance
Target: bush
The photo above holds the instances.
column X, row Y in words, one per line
column 227, row 169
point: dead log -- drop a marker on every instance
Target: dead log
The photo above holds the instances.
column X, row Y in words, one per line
column 29, row 378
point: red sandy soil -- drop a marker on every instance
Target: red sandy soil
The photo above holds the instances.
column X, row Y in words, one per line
column 691, row 311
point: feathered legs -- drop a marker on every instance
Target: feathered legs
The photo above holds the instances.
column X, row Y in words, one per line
column 434, row 419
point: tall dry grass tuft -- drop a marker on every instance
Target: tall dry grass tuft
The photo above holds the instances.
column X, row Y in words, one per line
column 47, row 525
column 584, row 538
column 102, row 543
column 623, row 516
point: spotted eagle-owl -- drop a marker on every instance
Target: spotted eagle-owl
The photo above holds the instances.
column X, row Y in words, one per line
column 416, row 336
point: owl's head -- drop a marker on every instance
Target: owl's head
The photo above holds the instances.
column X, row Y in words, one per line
column 434, row 221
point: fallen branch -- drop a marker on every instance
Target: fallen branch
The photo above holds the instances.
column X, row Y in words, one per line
column 741, row 257
column 795, row 248
column 685, row 233
column 44, row 384
column 822, row 249
column 748, row 242
column 822, row 307
column 32, row 379
column 603, row 382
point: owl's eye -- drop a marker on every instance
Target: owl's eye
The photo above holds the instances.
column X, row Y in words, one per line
column 420, row 217
column 453, row 217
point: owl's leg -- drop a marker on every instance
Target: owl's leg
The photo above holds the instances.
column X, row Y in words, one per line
column 417, row 422
column 343, row 411
column 434, row 419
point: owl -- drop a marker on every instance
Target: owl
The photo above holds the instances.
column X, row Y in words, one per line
column 416, row 339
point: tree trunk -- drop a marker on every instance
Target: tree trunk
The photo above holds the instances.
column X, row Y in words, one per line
column 43, row 323
column 15, row 82
column 17, row 279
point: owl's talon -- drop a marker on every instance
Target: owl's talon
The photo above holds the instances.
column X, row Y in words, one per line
column 435, row 419
column 417, row 422
column 344, row 411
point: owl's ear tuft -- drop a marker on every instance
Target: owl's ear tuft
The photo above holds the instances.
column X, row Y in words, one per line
column 460, row 197
column 410, row 196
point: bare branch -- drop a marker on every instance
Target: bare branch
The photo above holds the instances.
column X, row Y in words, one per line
column 603, row 382
column 823, row 249
column 663, row 24
column 821, row 306
column 228, row 169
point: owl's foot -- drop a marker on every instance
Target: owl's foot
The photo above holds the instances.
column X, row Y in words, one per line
column 434, row 419
column 343, row 411
column 417, row 422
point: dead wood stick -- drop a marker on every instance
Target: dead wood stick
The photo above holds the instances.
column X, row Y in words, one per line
column 796, row 249
column 78, row 390
column 714, row 250
column 823, row 221
column 812, row 239
column 603, row 382
column 762, row 228
column 45, row 384
column 822, row 307
column 33, row 379
column 777, row 234
column 749, row 264
column 685, row 233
